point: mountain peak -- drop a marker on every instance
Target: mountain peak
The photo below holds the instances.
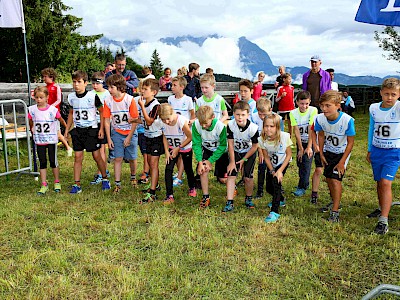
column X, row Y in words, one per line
column 187, row 38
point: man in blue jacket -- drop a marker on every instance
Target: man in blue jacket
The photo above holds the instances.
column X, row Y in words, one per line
column 130, row 77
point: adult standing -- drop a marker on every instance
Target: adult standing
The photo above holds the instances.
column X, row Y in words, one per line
column 279, row 79
column 193, row 88
column 130, row 77
column 334, row 85
column 317, row 81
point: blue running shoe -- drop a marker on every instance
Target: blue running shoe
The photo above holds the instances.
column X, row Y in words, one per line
column 76, row 189
column 228, row 207
column 105, row 185
column 97, row 179
column 299, row 192
column 272, row 217
column 249, row 203
column 281, row 204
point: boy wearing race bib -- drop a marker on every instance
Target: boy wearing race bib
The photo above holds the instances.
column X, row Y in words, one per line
column 210, row 98
column 242, row 146
column 209, row 146
column 119, row 109
column 177, row 139
column 43, row 120
column 336, row 133
column 86, row 133
column 246, row 91
column 384, row 146
column 277, row 152
column 302, row 118
column 152, row 131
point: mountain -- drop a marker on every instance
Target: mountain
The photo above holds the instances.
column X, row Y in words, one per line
column 251, row 57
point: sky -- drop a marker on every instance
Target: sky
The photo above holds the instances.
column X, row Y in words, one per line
column 289, row 31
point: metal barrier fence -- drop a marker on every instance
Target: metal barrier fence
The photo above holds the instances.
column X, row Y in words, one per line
column 13, row 133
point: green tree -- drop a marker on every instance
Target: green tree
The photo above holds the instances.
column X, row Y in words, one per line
column 156, row 65
column 389, row 41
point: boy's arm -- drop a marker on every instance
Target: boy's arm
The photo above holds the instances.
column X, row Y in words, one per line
column 101, row 129
column 192, row 116
column 225, row 116
column 370, row 136
column 69, row 122
column 30, row 124
column 231, row 151
column 149, row 120
column 321, row 142
column 197, row 144
column 309, row 150
column 299, row 143
column 186, row 130
column 62, row 122
column 340, row 166
column 107, row 128
column 221, row 148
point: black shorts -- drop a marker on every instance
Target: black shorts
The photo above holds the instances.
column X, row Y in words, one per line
column 85, row 138
column 284, row 115
column 317, row 160
column 155, row 146
column 332, row 160
column 42, row 155
column 220, row 165
column 142, row 143
column 248, row 166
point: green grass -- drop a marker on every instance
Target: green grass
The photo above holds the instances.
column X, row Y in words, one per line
column 99, row 246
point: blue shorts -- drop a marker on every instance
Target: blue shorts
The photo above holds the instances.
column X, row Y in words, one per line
column 385, row 163
column 119, row 150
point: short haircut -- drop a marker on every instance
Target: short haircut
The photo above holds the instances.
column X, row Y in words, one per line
column 166, row 69
column 120, row 57
column 50, row 72
column 286, row 75
column 183, row 70
column 209, row 71
column 97, row 77
column 181, row 81
column 193, row 66
column 303, row 95
column 247, row 83
column 152, row 83
column 204, row 114
column 166, row 110
column 208, row 78
column 241, row 105
column 109, row 64
column 391, row 83
column 146, row 70
column 79, row 74
column 118, row 81
column 330, row 70
column 41, row 90
column 264, row 104
column 276, row 120
column 331, row 95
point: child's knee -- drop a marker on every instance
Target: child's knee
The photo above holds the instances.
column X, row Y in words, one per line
column 318, row 171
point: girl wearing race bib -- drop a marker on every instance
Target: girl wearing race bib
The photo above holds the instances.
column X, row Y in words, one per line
column 177, row 139
column 43, row 123
column 277, row 153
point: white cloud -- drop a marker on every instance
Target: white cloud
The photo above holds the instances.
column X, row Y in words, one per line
column 289, row 31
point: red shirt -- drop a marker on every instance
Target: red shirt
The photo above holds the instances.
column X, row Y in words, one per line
column 285, row 103
column 54, row 94
column 257, row 89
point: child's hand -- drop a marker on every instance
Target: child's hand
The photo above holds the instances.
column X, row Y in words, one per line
column 279, row 175
column 260, row 157
column 240, row 165
column 340, row 168
column 110, row 145
column 101, row 134
column 368, row 158
column 323, row 159
column 201, row 168
column 231, row 167
column 284, row 94
column 208, row 165
column 141, row 102
column 127, row 141
column 175, row 152
column 309, row 152
column 300, row 154
column 167, row 157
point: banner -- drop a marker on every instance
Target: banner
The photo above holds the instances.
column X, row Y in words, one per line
column 11, row 14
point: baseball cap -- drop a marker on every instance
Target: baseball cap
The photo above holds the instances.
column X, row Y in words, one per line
column 315, row 58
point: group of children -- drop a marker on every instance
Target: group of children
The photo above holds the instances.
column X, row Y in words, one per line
column 126, row 123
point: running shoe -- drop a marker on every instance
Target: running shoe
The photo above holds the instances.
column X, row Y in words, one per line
column 43, row 190
column 76, row 189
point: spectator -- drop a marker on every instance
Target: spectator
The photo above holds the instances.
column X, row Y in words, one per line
column 182, row 71
column 193, row 88
column 165, row 81
column 130, row 77
column 279, row 79
column 109, row 67
column 334, row 85
column 316, row 80
column 257, row 85
column 349, row 105
column 210, row 71
column 148, row 73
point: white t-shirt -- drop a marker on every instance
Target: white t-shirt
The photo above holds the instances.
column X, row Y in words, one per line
column 276, row 152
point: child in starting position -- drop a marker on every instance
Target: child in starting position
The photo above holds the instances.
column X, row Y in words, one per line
column 242, row 146
column 384, row 146
column 86, row 133
column 43, row 121
column 177, row 143
column 209, row 146
column 302, row 119
column 277, row 153
column 336, row 133
column 119, row 109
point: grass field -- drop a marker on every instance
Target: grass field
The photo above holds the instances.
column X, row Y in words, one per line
column 100, row 246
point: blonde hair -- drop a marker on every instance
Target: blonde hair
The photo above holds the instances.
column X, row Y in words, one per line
column 391, row 83
column 209, row 78
column 183, row 71
column 276, row 120
column 181, row 80
column 166, row 111
column 41, row 90
column 331, row 95
column 263, row 104
column 204, row 114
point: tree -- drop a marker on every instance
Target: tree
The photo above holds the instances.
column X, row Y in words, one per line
column 389, row 40
column 156, row 65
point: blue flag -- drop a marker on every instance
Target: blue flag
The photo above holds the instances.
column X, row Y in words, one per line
column 382, row 12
